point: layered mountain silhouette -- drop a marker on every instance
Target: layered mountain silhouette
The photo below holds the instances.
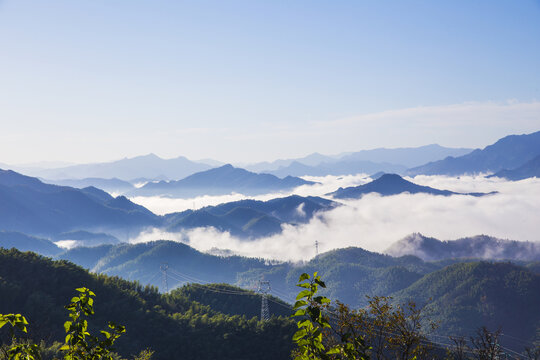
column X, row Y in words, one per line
column 113, row 185
column 148, row 166
column 23, row 242
column 509, row 152
column 89, row 216
column 219, row 181
column 392, row 184
column 31, row 206
column 345, row 167
column 251, row 218
column 528, row 170
column 365, row 161
column 478, row 247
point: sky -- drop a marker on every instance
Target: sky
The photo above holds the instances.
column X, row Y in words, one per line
column 246, row 81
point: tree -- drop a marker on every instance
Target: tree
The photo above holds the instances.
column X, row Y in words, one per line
column 79, row 343
column 314, row 322
column 486, row 344
column 381, row 331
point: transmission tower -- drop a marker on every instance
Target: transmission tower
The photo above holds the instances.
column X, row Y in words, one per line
column 264, row 289
column 316, row 247
column 164, row 284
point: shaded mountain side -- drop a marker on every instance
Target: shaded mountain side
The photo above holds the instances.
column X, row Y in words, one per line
column 528, row 170
column 251, row 218
column 142, row 262
column 509, row 152
column 464, row 296
column 30, row 206
column 219, row 181
column 392, row 184
column 172, row 325
column 479, row 247
column 23, row 242
column 147, row 166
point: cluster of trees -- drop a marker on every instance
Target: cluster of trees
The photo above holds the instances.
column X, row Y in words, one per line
column 217, row 320
column 383, row 330
column 174, row 325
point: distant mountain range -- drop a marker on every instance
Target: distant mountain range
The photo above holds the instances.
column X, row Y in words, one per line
column 349, row 167
column 148, row 166
column 152, row 167
column 30, row 206
column 110, row 185
column 366, row 161
column 477, row 247
column 89, row 216
column 251, row 218
column 23, row 242
column 392, row 184
column 509, row 152
column 528, row 170
column 219, row 181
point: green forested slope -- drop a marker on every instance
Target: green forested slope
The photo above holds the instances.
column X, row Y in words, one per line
column 465, row 296
column 174, row 326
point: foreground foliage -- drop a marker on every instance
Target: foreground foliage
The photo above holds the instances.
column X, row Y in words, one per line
column 384, row 330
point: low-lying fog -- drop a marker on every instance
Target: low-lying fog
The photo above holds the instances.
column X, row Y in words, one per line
column 374, row 222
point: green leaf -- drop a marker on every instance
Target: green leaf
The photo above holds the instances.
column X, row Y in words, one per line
column 303, row 277
column 299, row 312
column 334, row 350
column 303, row 294
column 299, row 334
column 320, row 283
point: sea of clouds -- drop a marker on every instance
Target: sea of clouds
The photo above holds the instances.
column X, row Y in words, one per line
column 374, row 222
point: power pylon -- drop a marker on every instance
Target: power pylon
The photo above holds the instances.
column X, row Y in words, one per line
column 264, row 289
column 316, row 247
column 164, row 284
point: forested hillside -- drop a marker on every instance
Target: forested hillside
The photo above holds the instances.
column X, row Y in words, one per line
column 175, row 326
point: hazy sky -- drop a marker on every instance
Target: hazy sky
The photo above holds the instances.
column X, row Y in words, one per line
column 251, row 80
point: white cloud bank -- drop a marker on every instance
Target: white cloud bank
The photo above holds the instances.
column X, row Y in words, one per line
column 374, row 222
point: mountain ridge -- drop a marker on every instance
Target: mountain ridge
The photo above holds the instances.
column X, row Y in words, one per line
column 392, row 184
column 506, row 153
column 223, row 180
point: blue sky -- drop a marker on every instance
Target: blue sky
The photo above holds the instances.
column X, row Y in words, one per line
column 251, row 80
